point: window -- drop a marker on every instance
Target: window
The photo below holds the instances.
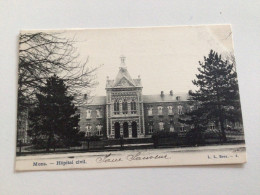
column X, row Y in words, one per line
column 180, row 109
column 171, row 125
column 88, row 130
column 160, row 108
column 211, row 126
column 171, row 128
column 169, row 110
column 124, row 106
column 150, row 111
column 88, row 112
column 99, row 130
column 161, row 126
column 98, row 113
column 238, row 124
column 182, row 128
column 116, row 107
column 151, row 129
column 133, row 107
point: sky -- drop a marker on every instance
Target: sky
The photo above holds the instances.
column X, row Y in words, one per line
column 166, row 58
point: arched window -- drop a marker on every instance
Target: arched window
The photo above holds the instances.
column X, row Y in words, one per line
column 133, row 107
column 116, row 107
column 124, row 106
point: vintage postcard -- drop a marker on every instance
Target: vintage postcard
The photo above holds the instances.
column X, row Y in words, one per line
column 128, row 97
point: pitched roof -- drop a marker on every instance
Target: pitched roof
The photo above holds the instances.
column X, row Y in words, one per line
column 123, row 79
column 137, row 83
column 101, row 100
column 97, row 100
column 123, row 73
column 165, row 98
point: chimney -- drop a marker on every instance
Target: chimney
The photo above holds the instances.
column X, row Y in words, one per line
column 171, row 93
column 85, row 96
column 162, row 94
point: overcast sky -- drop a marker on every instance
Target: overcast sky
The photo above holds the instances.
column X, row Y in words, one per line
column 166, row 58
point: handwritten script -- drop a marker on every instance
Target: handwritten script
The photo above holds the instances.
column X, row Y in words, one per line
column 108, row 158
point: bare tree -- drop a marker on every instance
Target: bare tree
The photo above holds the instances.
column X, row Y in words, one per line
column 43, row 54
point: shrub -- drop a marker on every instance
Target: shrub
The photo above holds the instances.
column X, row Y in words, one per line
column 164, row 134
column 195, row 137
column 93, row 138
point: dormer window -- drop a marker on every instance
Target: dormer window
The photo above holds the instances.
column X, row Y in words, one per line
column 88, row 114
column 160, row 109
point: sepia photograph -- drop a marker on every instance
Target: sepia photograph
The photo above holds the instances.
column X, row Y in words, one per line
column 128, row 97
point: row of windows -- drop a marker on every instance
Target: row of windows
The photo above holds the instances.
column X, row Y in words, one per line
column 97, row 131
column 161, row 127
column 89, row 113
column 124, row 107
column 169, row 109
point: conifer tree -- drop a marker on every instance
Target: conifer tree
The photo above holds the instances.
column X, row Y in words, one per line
column 217, row 97
column 55, row 116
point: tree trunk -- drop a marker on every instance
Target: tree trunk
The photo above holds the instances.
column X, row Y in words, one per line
column 222, row 127
column 48, row 143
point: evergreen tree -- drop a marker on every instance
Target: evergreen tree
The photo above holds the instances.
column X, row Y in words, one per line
column 217, row 97
column 54, row 117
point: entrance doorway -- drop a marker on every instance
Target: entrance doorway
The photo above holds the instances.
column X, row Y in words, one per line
column 117, row 130
column 134, row 129
column 125, row 129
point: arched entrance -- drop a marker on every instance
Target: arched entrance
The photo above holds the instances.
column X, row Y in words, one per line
column 125, row 129
column 117, row 130
column 134, row 129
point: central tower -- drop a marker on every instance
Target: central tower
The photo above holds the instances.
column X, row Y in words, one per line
column 124, row 105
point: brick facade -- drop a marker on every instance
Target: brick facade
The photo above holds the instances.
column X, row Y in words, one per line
column 126, row 112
